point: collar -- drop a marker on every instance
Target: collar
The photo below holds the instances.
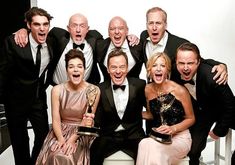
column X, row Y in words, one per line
column 33, row 43
column 125, row 82
column 162, row 42
column 124, row 45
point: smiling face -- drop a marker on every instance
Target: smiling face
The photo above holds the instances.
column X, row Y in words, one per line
column 117, row 68
column 156, row 25
column 39, row 28
column 75, row 71
column 187, row 63
column 159, row 70
column 118, row 31
column 78, row 28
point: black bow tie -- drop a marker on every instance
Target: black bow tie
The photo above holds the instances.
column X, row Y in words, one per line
column 122, row 87
column 189, row 82
column 81, row 46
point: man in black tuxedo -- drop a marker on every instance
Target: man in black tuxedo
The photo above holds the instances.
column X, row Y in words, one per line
column 118, row 38
column 212, row 103
column 119, row 113
column 23, row 86
column 79, row 37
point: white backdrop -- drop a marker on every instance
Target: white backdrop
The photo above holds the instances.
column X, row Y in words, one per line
column 208, row 23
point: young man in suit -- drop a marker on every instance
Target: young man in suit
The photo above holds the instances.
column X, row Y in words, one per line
column 212, row 103
column 23, row 86
column 119, row 113
column 118, row 38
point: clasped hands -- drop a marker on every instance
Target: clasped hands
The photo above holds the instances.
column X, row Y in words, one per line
column 67, row 147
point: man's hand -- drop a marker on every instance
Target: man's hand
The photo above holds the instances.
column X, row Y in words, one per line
column 221, row 76
column 213, row 136
column 21, row 37
column 133, row 40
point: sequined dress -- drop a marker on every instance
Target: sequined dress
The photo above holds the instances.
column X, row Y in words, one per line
column 73, row 106
column 153, row 152
column 170, row 108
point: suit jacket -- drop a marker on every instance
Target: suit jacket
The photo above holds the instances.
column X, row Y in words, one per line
column 62, row 38
column 19, row 82
column 106, row 116
column 136, row 52
column 214, row 102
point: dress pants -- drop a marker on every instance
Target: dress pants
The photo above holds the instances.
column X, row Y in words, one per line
column 17, row 119
column 105, row 146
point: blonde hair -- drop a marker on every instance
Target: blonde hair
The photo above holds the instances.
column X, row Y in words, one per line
column 153, row 59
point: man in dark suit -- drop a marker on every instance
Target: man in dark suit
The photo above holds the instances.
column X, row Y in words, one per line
column 119, row 113
column 118, row 38
column 213, row 103
column 23, row 87
column 79, row 37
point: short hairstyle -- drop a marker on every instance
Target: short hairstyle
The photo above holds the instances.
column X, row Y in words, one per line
column 153, row 59
column 156, row 9
column 36, row 11
column 74, row 53
column 117, row 52
column 188, row 46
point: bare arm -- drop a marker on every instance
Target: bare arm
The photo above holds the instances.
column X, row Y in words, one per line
column 21, row 37
column 56, row 120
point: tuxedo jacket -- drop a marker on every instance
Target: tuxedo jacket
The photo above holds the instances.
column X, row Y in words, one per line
column 136, row 52
column 106, row 116
column 20, row 85
column 214, row 102
column 62, row 38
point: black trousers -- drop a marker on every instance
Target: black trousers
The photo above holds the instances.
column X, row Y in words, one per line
column 17, row 119
column 105, row 146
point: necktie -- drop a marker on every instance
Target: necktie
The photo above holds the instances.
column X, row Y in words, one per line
column 81, row 46
column 189, row 81
column 122, row 87
column 38, row 58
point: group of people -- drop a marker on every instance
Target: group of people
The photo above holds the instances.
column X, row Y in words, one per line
column 174, row 108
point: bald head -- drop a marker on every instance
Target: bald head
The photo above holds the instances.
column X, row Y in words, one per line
column 117, row 19
column 78, row 16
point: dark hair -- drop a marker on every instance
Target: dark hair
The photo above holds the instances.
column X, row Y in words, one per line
column 117, row 52
column 36, row 11
column 74, row 53
column 188, row 46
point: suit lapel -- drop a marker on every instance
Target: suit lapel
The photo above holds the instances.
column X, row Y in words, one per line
column 109, row 94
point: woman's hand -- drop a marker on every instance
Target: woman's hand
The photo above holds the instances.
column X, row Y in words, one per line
column 69, row 147
column 165, row 129
column 58, row 144
column 88, row 119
